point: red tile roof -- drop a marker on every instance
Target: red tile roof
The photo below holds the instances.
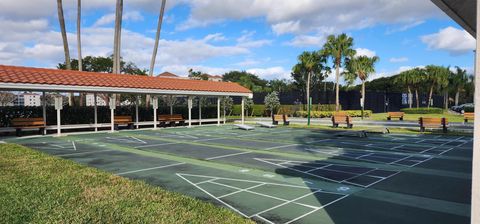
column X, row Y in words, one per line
column 167, row 74
column 28, row 75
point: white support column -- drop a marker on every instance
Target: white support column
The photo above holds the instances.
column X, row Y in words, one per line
column 190, row 102
column 243, row 110
column 112, row 112
column 200, row 111
column 218, row 111
column 475, row 209
column 137, row 102
column 44, row 111
column 95, row 113
column 59, row 107
column 155, row 107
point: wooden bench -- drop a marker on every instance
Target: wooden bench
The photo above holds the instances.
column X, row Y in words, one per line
column 398, row 115
column 468, row 116
column 341, row 118
column 171, row 119
column 430, row 122
column 280, row 117
column 123, row 120
column 28, row 123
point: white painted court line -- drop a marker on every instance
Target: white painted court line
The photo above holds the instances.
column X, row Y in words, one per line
column 152, row 168
column 89, row 152
column 308, row 213
column 211, row 195
column 228, row 155
column 281, row 146
column 74, row 146
column 242, row 190
column 287, row 202
column 160, row 144
column 144, row 142
column 264, row 219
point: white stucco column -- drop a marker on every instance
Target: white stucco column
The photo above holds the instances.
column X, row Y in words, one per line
column 190, row 102
column 243, row 110
column 218, row 111
column 59, row 107
column 112, row 112
column 44, row 111
column 137, row 102
column 475, row 212
column 95, row 113
column 155, row 107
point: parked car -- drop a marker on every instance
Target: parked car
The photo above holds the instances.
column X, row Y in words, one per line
column 463, row 107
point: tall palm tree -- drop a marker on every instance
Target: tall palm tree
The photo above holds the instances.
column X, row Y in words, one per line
column 360, row 67
column 418, row 76
column 436, row 76
column 117, row 36
column 338, row 48
column 405, row 78
column 458, row 81
column 79, row 43
column 61, row 20
column 157, row 39
column 310, row 64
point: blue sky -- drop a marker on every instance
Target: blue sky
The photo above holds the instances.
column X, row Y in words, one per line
column 215, row 36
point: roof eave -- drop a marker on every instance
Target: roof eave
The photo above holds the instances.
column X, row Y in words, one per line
column 455, row 16
column 97, row 89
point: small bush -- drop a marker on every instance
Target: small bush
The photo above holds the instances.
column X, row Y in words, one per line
column 469, row 109
column 327, row 107
column 423, row 110
column 322, row 114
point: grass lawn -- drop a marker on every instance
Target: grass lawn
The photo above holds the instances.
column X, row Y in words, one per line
column 38, row 188
column 414, row 117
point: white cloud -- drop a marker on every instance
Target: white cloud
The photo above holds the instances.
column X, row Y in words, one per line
column 450, row 39
column 307, row 40
column 365, row 52
column 246, row 40
column 303, row 16
column 398, row 60
column 277, row 72
column 215, row 37
column 405, row 27
column 110, row 18
column 264, row 73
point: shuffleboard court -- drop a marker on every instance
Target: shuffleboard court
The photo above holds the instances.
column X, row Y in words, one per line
column 289, row 175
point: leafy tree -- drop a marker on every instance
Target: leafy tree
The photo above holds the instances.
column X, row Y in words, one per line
column 338, row 48
column 360, row 67
column 104, row 65
column 272, row 102
column 6, row 98
column 310, row 67
column 280, row 85
column 247, row 80
column 198, row 75
column 227, row 104
column 249, row 106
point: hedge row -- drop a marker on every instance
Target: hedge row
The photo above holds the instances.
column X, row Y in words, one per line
column 85, row 115
column 423, row 110
column 259, row 109
column 322, row 114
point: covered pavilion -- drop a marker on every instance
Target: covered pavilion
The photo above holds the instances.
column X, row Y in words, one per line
column 14, row 78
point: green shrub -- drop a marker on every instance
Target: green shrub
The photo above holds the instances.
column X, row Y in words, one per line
column 322, row 114
column 326, row 107
column 469, row 109
column 258, row 110
column 423, row 110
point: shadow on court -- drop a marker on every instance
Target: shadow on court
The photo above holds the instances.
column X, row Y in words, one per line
column 436, row 190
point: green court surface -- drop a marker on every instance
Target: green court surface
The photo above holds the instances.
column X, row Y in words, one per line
column 289, row 175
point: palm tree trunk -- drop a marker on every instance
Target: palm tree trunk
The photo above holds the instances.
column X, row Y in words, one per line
column 117, row 37
column 79, row 45
column 417, row 99
column 337, row 87
column 308, row 89
column 68, row 66
column 430, row 96
column 457, row 96
column 363, row 96
column 445, row 97
column 409, row 100
column 155, row 48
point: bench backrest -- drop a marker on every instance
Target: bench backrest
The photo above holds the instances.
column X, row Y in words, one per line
column 433, row 121
column 340, row 114
column 26, row 122
column 277, row 117
column 396, row 114
column 341, row 119
column 122, row 119
column 469, row 115
column 168, row 117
